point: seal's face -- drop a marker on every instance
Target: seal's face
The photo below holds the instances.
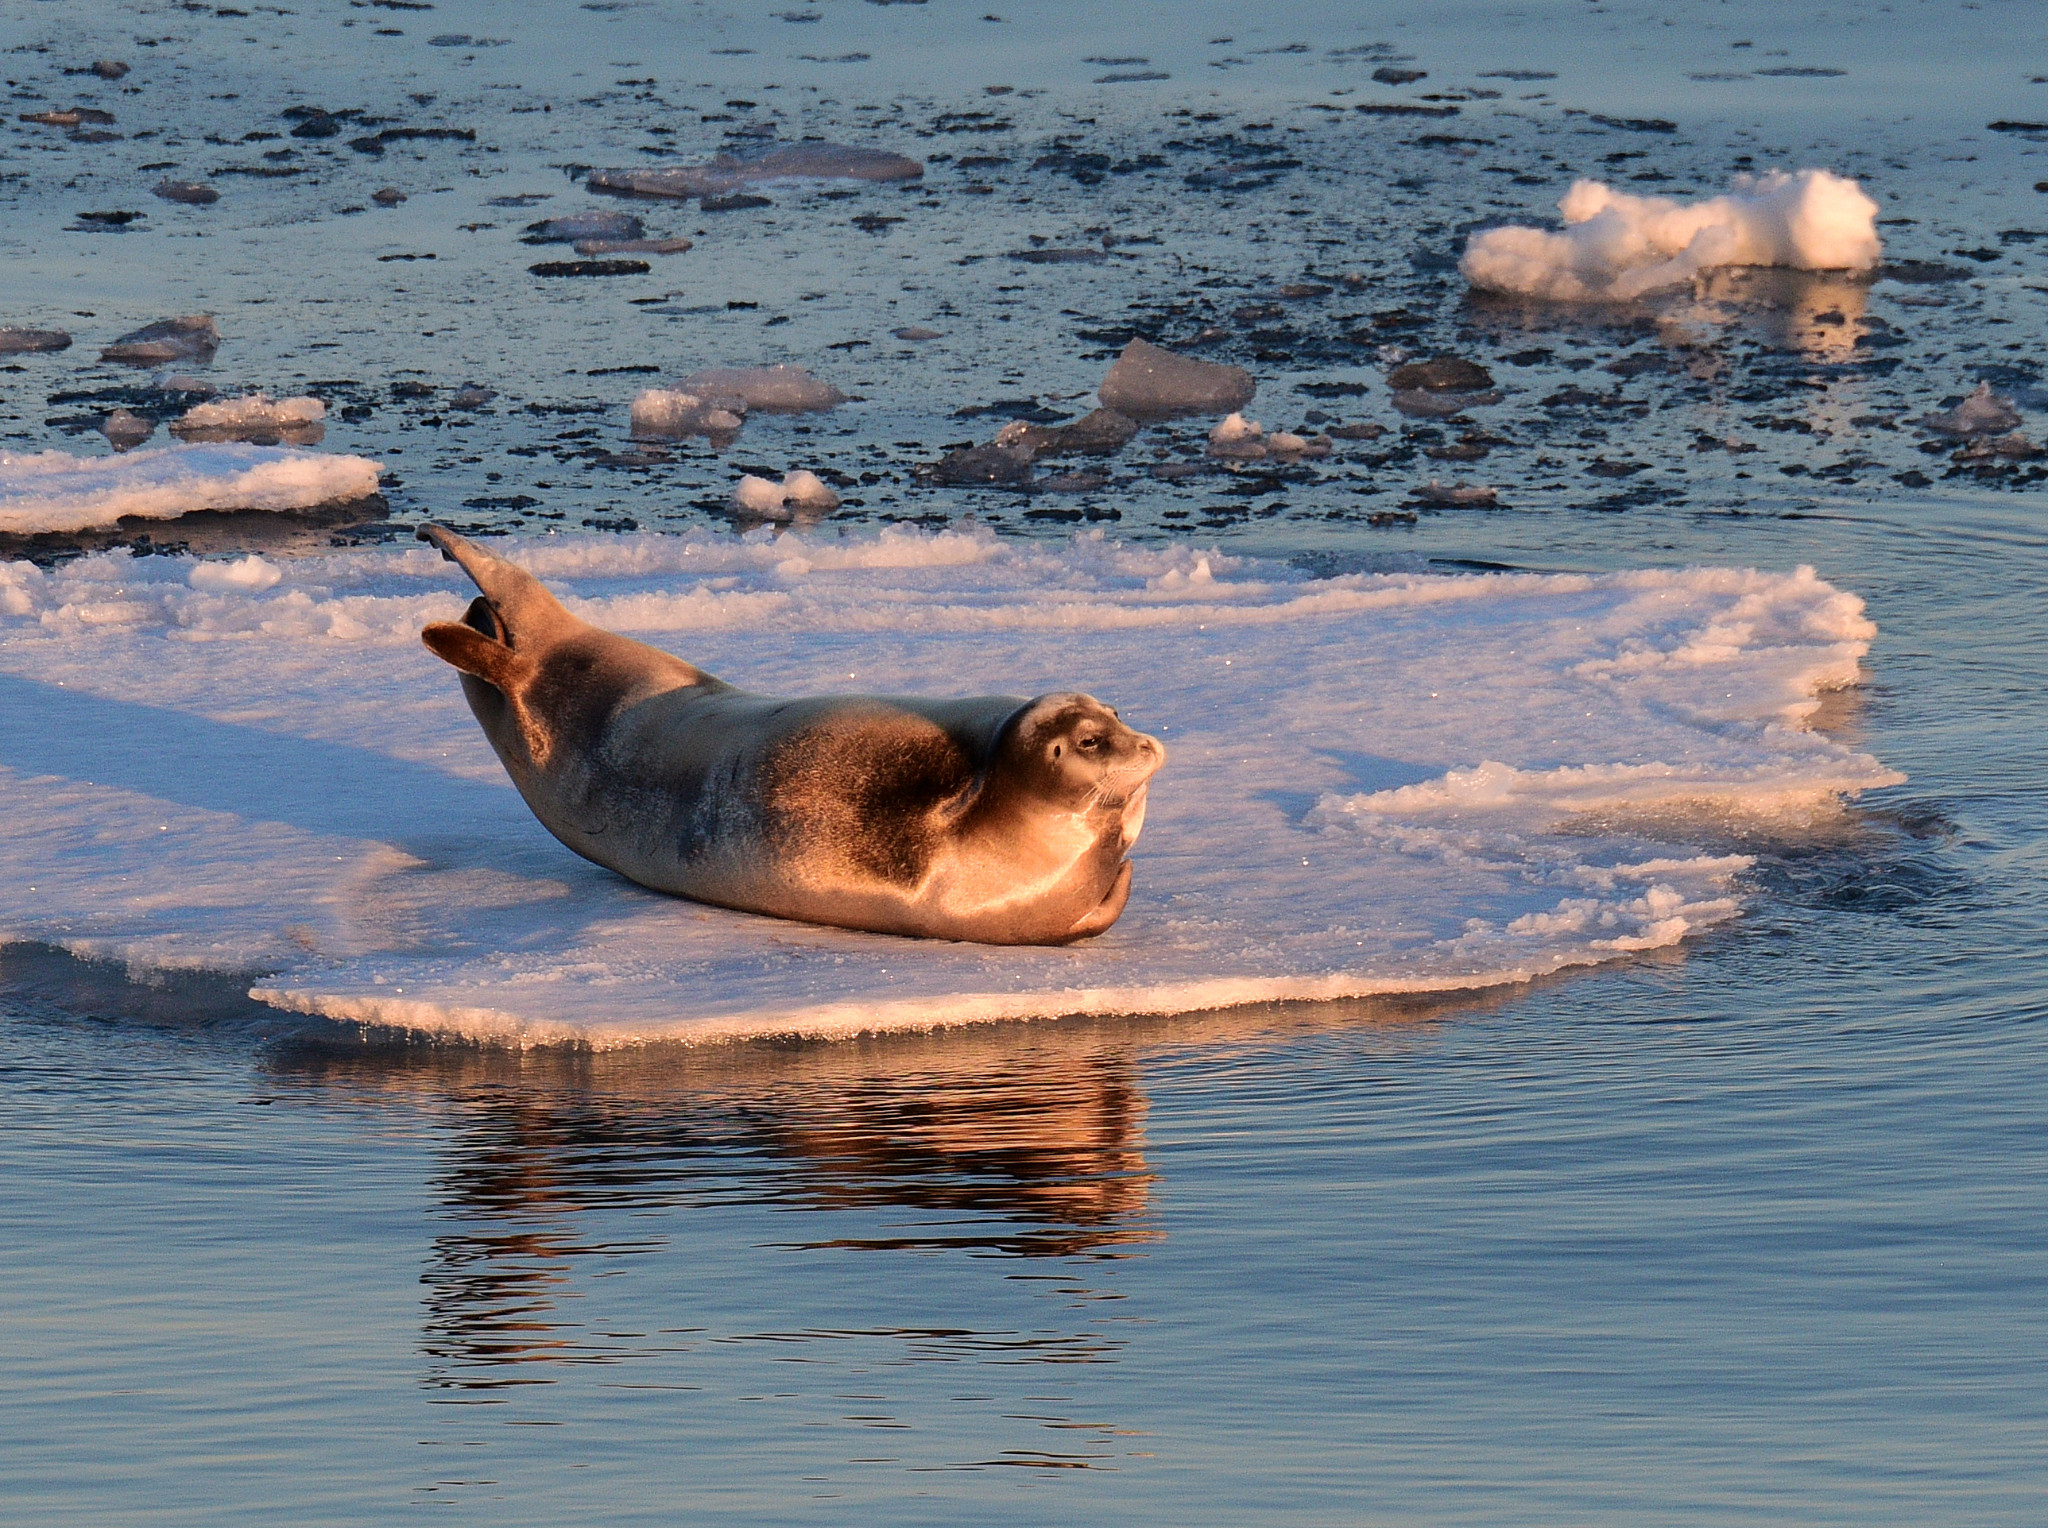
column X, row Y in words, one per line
column 1080, row 758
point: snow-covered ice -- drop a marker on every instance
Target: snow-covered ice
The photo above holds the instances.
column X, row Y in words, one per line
column 1618, row 246
column 664, row 414
column 56, row 491
column 798, row 493
column 254, row 414
column 1379, row 782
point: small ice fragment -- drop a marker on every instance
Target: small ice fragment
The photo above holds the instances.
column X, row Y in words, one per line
column 737, row 201
column 1616, row 246
column 728, row 172
column 584, row 225
column 2014, row 447
column 387, row 196
column 1445, row 374
column 1238, row 438
column 1458, row 495
column 806, row 490
column 168, row 339
column 257, row 417
column 994, row 463
column 632, row 246
column 797, row 492
column 471, row 396
column 191, row 193
column 1083, row 256
column 75, row 116
column 917, row 332
column 185, row 382
column 778, row 389
column 1287, row 443
column 126, row 431
column 1982, row 413
column 1148, row 382
column 248, row 575
column 24, row 341
column 662, row 414
column 1100, row 432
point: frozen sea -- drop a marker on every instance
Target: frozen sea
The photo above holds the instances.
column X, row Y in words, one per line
column 1629, row 1109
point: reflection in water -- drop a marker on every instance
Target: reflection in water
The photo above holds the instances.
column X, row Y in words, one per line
column 1015, row 1140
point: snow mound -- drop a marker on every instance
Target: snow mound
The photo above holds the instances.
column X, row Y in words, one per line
column 1616, row 246
column 1378, row 782
column 56, row 491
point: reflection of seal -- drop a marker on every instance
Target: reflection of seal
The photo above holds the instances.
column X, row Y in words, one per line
column 992, row 818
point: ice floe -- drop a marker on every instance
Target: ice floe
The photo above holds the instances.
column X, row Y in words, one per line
column 257, row 417
column 168, row 339
column 1379, row 782
column 1982, row 413
column 667, row 414
column 729, row 172
column 56, row 491
column 1618, row 246
column 1148, row 382
column 17, row 341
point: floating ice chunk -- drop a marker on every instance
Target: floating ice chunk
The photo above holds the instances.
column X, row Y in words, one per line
column 1982, row 413
column 584, row 225
column 728, row 172
column 168, row 339
column 126, row 431
column 248, row 575
column 1616, row 246
column 997, row 462
column 24, row 341
column 917, row 332
column 662, row 414
column 1458, row 495
column 778, row 389
column 257, row 413
column 1422, row 405
column 1099, row 432
column 387, row 196
column 1444, row 374
column 192, row 193
column 1150, row 383
column 470, row 396
column 55, row 491
column 798, row 493
column 1238, row 437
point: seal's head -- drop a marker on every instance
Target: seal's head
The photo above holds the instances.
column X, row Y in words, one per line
column 1075, row 755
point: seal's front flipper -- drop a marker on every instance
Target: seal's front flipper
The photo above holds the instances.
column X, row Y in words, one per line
column 527, row 615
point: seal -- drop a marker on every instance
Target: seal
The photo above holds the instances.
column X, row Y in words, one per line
column 992, row 818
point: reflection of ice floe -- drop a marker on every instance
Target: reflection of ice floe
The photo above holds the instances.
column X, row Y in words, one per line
column 1148, row 382
column 778, row 389
column 728, row 172
column 1570, row 748
column 1618, row 246
column 257, row 417
column 55, row 491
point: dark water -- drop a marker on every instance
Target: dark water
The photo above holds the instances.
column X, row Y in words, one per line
column 1756, row 1231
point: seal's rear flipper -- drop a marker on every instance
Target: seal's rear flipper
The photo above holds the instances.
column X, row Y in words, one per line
column 527, row 615
column 460, row 643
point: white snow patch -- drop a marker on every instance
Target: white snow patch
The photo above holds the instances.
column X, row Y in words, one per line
column 56, row 491
column 1618, row 246
column 253, row 411
column 1379, row 783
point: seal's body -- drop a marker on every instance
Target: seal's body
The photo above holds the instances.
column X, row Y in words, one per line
column 994, row 818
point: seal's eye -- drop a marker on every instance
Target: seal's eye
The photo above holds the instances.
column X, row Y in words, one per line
column 1088, row 744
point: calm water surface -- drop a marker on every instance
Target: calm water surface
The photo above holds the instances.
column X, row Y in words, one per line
column 1753, row 1232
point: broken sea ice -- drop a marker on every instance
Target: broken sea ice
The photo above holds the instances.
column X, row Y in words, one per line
column 1148, row 382
column 777, row 389
column 194, row 338
column 729, row 172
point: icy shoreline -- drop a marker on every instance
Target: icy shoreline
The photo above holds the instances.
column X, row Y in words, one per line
column 54, row 491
